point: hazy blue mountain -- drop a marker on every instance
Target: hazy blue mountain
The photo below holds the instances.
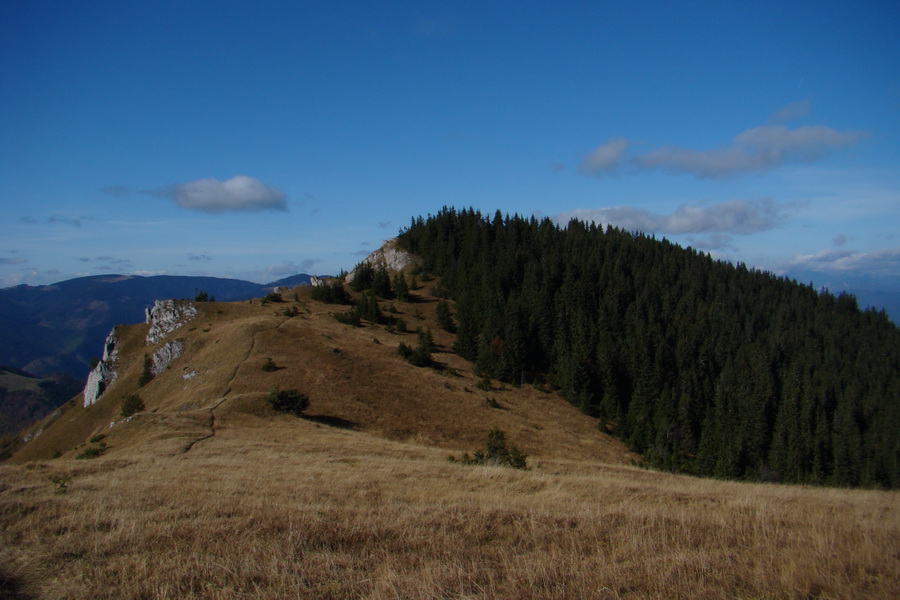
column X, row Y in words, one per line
column 877, row 292
column 58, row 328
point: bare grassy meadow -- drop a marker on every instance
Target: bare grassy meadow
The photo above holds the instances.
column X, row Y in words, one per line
column 209, row 494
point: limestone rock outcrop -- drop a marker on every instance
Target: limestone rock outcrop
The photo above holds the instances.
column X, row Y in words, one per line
column 166, row 316
column 388, row 256
column 104, row 374
column 164, row 355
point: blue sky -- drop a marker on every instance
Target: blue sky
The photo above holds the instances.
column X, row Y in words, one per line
column 261, row 139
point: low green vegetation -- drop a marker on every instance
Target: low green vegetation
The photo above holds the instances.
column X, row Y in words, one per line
column 288, row 401
column 92, row 452
column 131, row 405
column 60, row 483
column 146, row 373
column 421, row 355
column 495, row 453
column 330, row 292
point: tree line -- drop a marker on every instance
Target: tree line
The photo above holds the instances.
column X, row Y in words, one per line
column 702, row 366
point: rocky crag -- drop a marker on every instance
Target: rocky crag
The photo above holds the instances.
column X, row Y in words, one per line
column 164, row 317
column 388, row 256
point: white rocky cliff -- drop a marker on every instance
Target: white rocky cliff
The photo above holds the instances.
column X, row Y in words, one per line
column 388, row 256
column 164, row 317
column 164, row 355
column 105, row 373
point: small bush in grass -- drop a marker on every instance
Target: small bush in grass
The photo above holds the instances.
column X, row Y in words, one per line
column 420, row 356
column 272, row 297
column 97, row 438
column 146, row 374
column 92, row 452
column 351, row 317
column 495, row 453
column 288, row 401
column 269, row 366
column 130, row 405
column 61, row 483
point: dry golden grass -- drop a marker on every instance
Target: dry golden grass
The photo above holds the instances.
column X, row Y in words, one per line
column 285, row 508
column 209, row 494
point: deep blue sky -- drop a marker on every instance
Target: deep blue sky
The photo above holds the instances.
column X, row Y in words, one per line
column 261, row 139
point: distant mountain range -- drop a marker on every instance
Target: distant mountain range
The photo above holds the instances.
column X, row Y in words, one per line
column 58, row 328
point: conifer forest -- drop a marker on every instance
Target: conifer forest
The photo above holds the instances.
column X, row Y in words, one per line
column 702, row 366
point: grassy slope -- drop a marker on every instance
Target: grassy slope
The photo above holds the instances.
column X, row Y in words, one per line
column 208, row 494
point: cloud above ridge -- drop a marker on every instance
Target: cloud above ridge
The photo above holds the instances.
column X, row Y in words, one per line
column 733, row 216
column 885, row 261
column 755, row 150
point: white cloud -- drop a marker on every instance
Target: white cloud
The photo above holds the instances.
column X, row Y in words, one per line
column 733, row 216
column 794, row 110
column 605, row 158
column 716, row 241
column 885, row 261
column 240, row 193
column 755, row 150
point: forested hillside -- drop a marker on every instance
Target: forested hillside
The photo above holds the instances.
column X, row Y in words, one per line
column 702, row 366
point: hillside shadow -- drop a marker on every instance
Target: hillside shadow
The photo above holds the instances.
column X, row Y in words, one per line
column 11, row 588
column 331, row 421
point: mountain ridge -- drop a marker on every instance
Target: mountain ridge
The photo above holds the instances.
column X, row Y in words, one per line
column 59, row 327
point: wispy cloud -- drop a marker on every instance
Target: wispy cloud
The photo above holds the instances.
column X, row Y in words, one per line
column 116, row 190
column 884, row 262
column 755, row 150
column 791, row 112
column 733, row 216
column 605, row 157
column 716, row 241
column 203, row 257
column 74, row 221
column 291, row 268
column 13, row 261
column 99, row 259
